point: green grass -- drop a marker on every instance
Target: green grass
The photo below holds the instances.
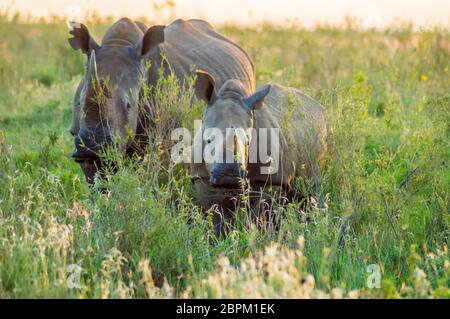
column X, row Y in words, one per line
column 385, row 187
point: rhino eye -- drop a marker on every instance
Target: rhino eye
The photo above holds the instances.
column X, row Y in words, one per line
column 128, row 106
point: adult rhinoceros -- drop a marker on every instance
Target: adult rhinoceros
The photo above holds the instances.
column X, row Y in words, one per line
column 114, row 70
column 288, row 124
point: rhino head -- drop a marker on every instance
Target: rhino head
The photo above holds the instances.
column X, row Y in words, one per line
column 107, row 104
column 227, row 128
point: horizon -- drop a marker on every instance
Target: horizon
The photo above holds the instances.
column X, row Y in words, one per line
column 370, row 14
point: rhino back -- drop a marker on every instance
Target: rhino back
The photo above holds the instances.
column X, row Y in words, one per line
column 303, row 133
column 194, row 44
column 124, row 32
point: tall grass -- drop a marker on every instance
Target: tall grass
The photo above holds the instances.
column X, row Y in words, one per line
column 384, row 195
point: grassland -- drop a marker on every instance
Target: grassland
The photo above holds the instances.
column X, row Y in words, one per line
column 385, row 189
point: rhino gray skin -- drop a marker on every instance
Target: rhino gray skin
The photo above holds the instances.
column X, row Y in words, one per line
column 194, row 44
column 304, row 136
column 114, row 70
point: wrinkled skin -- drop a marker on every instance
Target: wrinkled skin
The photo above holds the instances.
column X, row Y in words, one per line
column 225, row 133
column 108, row 109
column 193, row 44
column 304, row 133
column 304, row 138
column 106, row 103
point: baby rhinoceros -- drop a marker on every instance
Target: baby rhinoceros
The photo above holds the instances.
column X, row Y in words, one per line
column 266, row 138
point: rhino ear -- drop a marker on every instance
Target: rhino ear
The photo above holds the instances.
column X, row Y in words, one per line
column 255, row 101
column 81, row 38
column 204, row 86
column 153, row 37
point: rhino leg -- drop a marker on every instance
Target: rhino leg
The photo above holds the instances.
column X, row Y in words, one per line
column 266, row 210
column 222, row 219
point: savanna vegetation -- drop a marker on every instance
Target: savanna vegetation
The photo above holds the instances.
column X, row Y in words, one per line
column 383, row 200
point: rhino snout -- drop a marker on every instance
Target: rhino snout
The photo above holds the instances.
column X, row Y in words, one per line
column 227, row 175
column 88, row 145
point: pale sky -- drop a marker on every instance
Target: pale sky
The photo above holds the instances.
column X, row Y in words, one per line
column 371, row 13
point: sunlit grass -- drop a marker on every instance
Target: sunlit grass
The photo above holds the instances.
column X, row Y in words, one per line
column 383, row 196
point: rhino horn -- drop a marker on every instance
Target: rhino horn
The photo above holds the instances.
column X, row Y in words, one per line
column 92, row 69
column 95, row 86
